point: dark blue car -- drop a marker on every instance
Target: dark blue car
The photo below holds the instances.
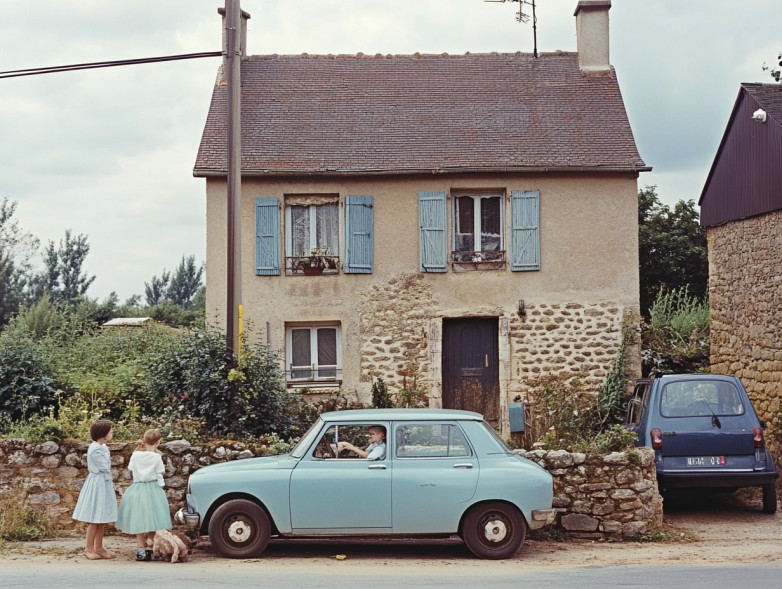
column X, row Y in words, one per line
column 704, row 432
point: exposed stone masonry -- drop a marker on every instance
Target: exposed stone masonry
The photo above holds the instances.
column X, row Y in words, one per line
column 745, row 303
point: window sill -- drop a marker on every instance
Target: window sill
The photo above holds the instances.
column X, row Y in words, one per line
column 478, row 266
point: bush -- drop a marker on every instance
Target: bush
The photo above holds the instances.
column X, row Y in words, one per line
column 26, row 385
column 676, row 339
column 380, row 397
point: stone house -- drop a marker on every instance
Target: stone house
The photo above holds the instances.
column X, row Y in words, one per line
column 741, row 209
column 474, row 218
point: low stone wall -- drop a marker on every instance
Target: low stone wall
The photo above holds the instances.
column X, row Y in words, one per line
column 601, row 496
column 597, row 495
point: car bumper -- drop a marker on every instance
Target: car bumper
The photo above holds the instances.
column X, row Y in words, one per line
column 715, row 479
column 189, row 515
column 542, row 517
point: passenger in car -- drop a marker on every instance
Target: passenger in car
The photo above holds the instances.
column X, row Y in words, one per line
column 377, row 447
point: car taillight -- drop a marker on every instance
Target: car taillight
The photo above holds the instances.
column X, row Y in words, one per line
column 657, row 439
column 757, row 436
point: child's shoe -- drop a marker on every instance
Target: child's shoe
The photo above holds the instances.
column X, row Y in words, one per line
column 141, row 554
column 148, row 556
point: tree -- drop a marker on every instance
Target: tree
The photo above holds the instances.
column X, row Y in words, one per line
column 155, row 290
column 62, row 276
column 185, row 282
column 16, row 249
column 773, row 72
column 671, row 249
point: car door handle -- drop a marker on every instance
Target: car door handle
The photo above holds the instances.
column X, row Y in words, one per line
column 377, row 467
column 463, row 465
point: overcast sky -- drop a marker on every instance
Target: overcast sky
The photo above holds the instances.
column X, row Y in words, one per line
column 109, row 152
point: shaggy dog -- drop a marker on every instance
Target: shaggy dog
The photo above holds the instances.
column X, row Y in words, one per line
column 170, row 546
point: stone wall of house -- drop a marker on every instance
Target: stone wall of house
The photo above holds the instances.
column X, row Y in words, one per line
column 568, row 339
column 597, row 495
column 745, row 302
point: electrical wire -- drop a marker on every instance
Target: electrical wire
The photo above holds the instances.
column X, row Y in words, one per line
column 100, row 64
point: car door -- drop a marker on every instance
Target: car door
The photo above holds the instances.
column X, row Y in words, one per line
column 332, row 494
column 435, row 475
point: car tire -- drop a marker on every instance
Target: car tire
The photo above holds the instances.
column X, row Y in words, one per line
column 770, row 498
column 494, row 530
column 239, row 529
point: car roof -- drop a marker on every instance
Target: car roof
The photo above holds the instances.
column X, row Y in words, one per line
column 697, row 376
column 369, row 415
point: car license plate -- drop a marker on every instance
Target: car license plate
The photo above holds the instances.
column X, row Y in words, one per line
column 705, row 461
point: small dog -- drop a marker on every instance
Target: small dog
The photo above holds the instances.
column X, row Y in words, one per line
column 170, row 546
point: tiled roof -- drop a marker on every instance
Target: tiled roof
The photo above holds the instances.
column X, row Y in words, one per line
column 420, row 113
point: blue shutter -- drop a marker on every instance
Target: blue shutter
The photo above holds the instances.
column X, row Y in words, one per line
column 358, row 235
column 433, row 238
column 267, row 237
column 525, row 231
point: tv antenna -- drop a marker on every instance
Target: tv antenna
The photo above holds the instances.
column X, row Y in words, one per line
column 523, row 17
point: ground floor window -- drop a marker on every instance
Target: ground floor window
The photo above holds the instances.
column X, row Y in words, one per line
column 312, row 353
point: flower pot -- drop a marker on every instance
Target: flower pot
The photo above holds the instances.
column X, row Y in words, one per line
column 312, row 270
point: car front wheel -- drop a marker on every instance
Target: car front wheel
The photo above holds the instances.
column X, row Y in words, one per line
column 239, row 529
column 770, row 498
column 494, row 530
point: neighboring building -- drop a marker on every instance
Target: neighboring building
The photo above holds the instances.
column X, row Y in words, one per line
column 741, row 208
column 480, row 211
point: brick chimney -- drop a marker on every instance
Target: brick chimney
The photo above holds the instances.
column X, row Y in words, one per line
column 592, row 35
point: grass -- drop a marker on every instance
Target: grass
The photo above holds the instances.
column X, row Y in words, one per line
column 19, row 521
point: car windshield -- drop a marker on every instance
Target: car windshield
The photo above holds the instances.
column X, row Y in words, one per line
column 700, row 398
column 306, row 440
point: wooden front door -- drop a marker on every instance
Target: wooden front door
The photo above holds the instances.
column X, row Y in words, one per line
column 471, row 366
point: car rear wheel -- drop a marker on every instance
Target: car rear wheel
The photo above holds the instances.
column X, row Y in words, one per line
column 494, row 530
column 239, row 529
column 770, row 498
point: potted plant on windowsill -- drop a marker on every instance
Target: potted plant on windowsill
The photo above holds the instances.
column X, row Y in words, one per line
column 319, row 259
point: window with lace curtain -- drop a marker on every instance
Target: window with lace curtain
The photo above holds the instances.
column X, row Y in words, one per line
column 312, row 223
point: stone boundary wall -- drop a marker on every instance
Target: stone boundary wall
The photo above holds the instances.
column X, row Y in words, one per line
column 745, row 306
column 597, row 496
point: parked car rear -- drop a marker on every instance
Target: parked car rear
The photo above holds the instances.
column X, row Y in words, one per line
column 704, row 432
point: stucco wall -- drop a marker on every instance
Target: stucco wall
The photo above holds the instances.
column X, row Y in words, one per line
column 745, row 301
column 576, row 303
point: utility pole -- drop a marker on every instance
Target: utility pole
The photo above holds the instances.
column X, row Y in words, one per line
column 233, row 46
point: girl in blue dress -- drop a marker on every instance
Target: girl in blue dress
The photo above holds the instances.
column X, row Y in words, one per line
column 144, row 506
column 97, row 502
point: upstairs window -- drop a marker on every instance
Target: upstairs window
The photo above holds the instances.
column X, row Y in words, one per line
column 477, row 228
column 312, row 232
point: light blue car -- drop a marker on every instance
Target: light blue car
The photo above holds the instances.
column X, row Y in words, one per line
column 441, row 472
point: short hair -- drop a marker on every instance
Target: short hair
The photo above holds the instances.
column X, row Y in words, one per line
column 150, row 438
column 382, row 428
column 100, row 429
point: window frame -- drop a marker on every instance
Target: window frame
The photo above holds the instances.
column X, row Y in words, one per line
column 315, row 367
column 477, row 197
column 312, row 205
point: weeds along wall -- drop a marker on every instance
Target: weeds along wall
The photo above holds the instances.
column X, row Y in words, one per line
column 597, row 496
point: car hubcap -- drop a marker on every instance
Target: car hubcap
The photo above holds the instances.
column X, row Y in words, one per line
column 239, row 531
column 495, row 530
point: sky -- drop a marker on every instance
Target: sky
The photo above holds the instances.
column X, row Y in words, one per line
column 109, row 153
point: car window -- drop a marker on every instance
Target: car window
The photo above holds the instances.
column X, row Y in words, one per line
column 430, row 440
column 301, row 448
column 637, row 403
column 356, row 435
column 700, row 398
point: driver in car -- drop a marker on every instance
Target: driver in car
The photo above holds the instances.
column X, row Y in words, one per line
column 377, row 447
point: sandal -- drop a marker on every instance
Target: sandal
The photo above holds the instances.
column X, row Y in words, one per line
column 92, row 555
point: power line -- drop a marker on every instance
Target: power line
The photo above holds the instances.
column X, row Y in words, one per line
column 100, row 64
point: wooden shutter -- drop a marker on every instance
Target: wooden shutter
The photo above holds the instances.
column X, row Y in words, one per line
column 525, row 231
column 267, row 237
column 432, row 221
column 358, row 234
